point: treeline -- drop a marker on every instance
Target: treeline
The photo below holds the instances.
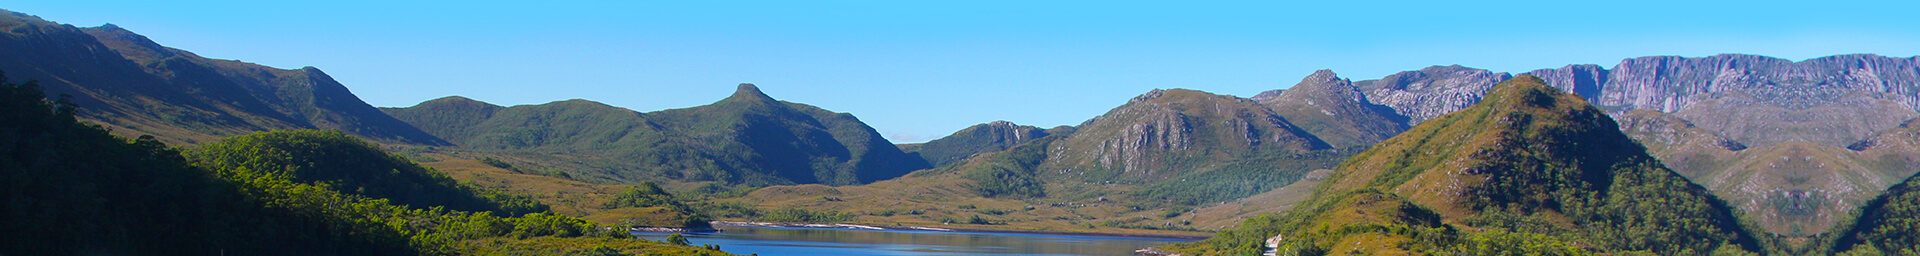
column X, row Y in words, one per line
column 67, row 188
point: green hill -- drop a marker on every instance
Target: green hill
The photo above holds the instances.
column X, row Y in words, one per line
column 981, row 138
column 75, row 189
column 126, row 82
column 746, row 139
column 1528, row 170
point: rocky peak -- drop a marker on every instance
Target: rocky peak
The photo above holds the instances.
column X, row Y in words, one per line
column 749, row 93
column 1333, row 109
column 132, row 45
column 1432, row 91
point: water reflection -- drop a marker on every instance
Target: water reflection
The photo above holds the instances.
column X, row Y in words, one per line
column 777, row 241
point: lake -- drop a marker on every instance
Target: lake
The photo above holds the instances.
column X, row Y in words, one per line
column 778, row 241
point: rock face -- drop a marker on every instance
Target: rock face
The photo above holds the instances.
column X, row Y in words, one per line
column 123, row 80
column 1165, row 132
column 1431, row 92
column 1333, row 109
column 1791, row 120
column 981, row 138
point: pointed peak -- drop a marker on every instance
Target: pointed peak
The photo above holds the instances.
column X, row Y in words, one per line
column 748, row 92
column 1323, row 74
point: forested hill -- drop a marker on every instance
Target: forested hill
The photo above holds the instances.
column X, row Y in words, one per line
column 748, row 138
column 137, row 87
column 74, row 189
column 1530, row 170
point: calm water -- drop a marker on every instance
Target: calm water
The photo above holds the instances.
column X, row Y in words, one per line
column 772, row 241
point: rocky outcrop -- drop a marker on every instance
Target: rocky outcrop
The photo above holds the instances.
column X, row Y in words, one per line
column 1431, row 92
column 1169, row 132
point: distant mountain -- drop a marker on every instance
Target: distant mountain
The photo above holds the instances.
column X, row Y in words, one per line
column 1530, row 170
column 1768, row 134
column 747, row 138
column 125, row 81
column 1333, row 109
column 1431, row 92
column 981, row 138
column 1164, row 133
column 74, row 189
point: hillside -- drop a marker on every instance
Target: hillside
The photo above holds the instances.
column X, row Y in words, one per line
column 129, row 83
column 1529, row 170
column 1430, row 92
column 746, row 139
column 75, row 189
column 1333, row 109
column 1141, row 168
column 981, row 138
column 1886, row 225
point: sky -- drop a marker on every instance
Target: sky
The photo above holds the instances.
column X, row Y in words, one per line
column 919, row 70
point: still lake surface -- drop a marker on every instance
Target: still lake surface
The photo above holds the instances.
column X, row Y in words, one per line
column 779, row 241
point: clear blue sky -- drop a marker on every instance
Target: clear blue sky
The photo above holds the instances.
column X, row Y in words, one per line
column 918, row 70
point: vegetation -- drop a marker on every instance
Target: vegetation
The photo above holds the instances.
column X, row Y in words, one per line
column 1889, row 224
column 649, row 194
column 1530, row 163
column 748, row 139
column 75, row 189
column 982, row 138
column 344, row 163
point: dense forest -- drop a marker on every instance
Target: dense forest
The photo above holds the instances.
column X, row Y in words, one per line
column 71, row 188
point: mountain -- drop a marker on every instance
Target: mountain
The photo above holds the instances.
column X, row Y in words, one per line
column 127, row 82
column 1528, row 170
column 75, row 189
column 1432, row 91
column 1334, row 110
column 1142, row 167
column 748, row 139
column 1165, row 133
column 1769, row 135
column 981, row 138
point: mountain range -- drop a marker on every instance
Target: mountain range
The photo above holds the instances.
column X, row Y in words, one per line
column 1799, row 148
column 748, row 138
column 124, row 81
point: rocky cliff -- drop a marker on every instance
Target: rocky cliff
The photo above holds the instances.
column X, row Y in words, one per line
column 1431, row 92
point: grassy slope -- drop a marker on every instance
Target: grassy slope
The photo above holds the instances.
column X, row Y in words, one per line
column 1528, row 159
column 1186, row 148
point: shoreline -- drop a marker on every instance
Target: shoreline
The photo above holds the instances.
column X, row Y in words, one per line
column 919, row 228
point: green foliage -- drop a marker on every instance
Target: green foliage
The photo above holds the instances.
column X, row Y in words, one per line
column 649, row 194
column 341, row 162
column 678, row 239
column 1537, row 166
column 1009, row 173
column 746, row 140
column 74, row 189
column 982, row 138
column 798, row 215
column 1243, row 177
column 1887, row 224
